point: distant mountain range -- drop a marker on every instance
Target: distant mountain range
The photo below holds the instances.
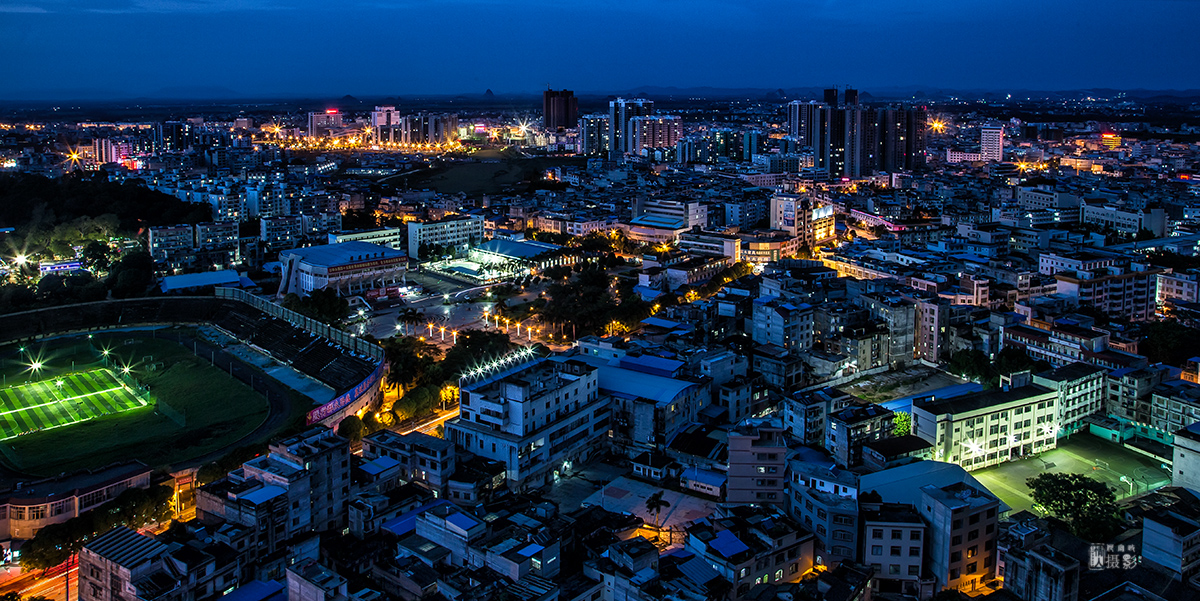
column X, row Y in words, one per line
column 215, row 93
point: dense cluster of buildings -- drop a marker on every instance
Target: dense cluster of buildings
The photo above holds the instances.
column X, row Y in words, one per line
column 875, row 239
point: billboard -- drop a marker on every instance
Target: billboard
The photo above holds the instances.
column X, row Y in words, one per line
column 365, row 265
column 347, row 399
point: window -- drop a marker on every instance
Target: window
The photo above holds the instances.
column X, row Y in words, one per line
column 973, row 551
column 914, row 570
column 897, row 535
column 956, row 524
column 895, row 551
column 894, row 569
column 971, row 567
column 877, row 533
column 37, row 512
column 956, row 557
column 954, row 573
column 914, row 535
column 974, row 519
column 876, row 549
column 956, row 540
column 972, row 535
column 914, row 551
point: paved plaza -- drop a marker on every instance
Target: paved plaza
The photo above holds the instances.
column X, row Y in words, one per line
column 1080, row 454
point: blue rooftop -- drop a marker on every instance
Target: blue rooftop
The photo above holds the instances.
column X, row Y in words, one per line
column 947, row 392
column 225, row 277
column 631, row 384
column 710, row 478
column 520, row 249
column 258, row 590
column 727, row 544
column 649, row 364
column 406, row 523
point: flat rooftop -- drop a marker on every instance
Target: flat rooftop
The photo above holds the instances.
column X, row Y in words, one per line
column 974, row 402
column 343, row 253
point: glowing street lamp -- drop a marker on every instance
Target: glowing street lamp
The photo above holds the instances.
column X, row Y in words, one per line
column 454, row 334
column 21, row 259
column 430, row 326
column 443, row 330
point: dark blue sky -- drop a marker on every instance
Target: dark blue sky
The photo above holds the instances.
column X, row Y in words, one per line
column 369, row 47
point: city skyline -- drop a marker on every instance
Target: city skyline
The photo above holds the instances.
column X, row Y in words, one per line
column 262, row 48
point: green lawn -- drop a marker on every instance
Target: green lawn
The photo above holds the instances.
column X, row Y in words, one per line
column 218, row 410
column 62, row 401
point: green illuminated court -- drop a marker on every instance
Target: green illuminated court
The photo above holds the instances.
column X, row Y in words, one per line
column 64, row 400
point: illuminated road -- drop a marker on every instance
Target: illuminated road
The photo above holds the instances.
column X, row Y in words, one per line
column 52, row 588
column 430, row 425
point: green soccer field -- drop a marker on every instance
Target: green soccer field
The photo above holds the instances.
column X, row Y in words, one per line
column 64, row 400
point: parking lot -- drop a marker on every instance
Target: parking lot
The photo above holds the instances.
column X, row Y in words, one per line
column 1080, row 454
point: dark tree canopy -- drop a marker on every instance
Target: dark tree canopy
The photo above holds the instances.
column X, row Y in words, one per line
column 90, row 204
column 134, row 508
column 1087, row 504
column 323, row 305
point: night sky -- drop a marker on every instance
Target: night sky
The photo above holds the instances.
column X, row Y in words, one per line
column 124, row 48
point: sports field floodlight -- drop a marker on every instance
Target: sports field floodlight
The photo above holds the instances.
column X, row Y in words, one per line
column 125, row 370
column 60, row 383
column 104, row 352
column 21, row 259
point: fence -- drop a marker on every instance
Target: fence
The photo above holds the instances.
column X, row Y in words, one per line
column 309, row 324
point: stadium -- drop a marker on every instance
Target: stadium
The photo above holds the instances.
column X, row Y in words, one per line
column 172, row 381
column 65, row 400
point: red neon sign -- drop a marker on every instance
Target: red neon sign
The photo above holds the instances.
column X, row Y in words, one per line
column 330, row 111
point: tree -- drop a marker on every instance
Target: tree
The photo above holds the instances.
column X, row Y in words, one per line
column 352, row 428
column 409, row 317
column 409, row 359
column 558, row 272
column 971, row 364
column 97, row 256
column 133, row 508
column 902, row 424
column 655, row 504
column 15, row 596
column 1086, row 504
column 131, row 276
column 1168, row 342
column 323, row 305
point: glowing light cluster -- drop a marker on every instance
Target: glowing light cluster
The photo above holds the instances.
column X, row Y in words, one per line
column 508, row 360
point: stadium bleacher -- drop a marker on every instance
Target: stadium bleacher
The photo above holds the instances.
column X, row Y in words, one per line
column 307, row 353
